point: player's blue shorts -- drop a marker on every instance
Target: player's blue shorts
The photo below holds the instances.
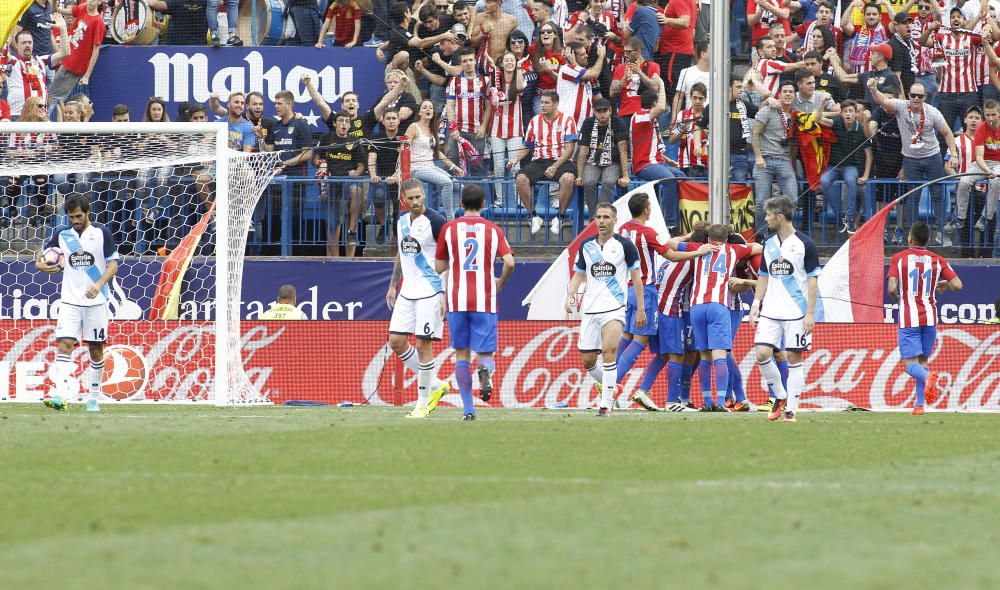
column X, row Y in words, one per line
column 688, row 333
column 649, row 298
column 476, row 330
column 735, row 319
column 914, row 342
column 710, row 323
column 669, row 337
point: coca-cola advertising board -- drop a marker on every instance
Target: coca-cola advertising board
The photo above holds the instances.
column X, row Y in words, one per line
column 538, row 365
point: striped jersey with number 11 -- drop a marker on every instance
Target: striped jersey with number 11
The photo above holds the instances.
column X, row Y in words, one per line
column 918, row 271
column 471, row 246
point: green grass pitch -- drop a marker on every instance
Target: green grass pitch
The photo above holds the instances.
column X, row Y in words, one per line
column 200, row 497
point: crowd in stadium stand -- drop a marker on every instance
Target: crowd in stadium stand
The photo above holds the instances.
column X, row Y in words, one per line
column 589, row 96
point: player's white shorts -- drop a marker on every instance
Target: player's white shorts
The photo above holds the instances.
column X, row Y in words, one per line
column 590, row 328
column 421, row 317
column 86, row 324
column 783, row 334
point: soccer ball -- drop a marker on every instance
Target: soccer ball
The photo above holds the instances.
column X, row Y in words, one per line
column 54, row 257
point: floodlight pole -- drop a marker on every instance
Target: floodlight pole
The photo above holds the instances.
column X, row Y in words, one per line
column 718, row 144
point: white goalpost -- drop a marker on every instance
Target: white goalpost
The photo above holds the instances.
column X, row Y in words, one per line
column 179, row 204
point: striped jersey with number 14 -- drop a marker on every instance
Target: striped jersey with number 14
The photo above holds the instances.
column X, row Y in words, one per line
column 712, row 271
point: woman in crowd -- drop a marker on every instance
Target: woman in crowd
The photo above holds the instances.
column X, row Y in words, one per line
column 425, row 151
column 506, row 126
column 546, row 59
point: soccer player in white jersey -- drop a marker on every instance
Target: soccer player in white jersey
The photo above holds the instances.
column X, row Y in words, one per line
column 607, row 262
column 91, row 262
column 418, row 308
column 468, row 250
column 784, row 302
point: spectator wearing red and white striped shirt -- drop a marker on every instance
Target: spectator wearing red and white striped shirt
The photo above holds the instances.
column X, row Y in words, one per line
column 468, row 249
column 648, row 161
column 506, row 129
column 28, row 75
column 683, row 131
column 770, row 69
column 915, row 275
column 964, row 141
column 595, row 13
column 576, row 96
column 550, row 141
column 927, row 12
column 958, row 89
column 469, row 113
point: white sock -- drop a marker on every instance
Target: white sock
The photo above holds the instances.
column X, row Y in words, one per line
column 409, row 358
column 96, row 375
column 608, row 385
column 62, row 370
column 796, row 382
column 425, row 379
column 773, row 377
column 596, row 373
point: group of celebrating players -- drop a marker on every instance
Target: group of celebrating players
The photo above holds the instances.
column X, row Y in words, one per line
column 687, row 310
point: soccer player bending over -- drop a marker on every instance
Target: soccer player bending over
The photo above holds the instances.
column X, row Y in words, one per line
column 91, row 262
column 915, row 274
column 418, row 309
column 783, row 304
column 468, row 250
column 607, row 262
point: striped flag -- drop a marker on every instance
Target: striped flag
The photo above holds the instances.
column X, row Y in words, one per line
column 851, row 284
column 167, row 298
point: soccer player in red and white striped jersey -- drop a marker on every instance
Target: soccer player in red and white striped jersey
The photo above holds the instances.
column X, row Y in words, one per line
column 915, row 275
column 469, row 113
column 648, row 243
column 710, row 317
column 550, row 141
column 468, row 248
column 573, row 82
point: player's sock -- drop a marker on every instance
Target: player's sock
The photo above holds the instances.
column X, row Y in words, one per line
column 596, row 373
column 721, row 379
column 64, row 367
column 463, row 375
column 919, row 374
column 425, row 382
column 796, row 381
column 686, row 372
column 705, row 379
column 736, row 379
column 783, row 369
column 96, row 376
column 627, row 359
column 487, row 361
column 674, row 371
column 769, row 369
column 410, row 359
column 653, row 369
column 623, row 345
column 609, row 385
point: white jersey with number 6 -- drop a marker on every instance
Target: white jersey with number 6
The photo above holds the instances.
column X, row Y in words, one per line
column 417, row 240
column 87, row 257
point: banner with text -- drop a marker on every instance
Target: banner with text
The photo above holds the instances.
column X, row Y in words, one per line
column 130, row 75
column 538, row 365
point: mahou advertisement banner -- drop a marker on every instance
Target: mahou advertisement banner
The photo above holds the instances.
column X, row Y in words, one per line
column 537, row 365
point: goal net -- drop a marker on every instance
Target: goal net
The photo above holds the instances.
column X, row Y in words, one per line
column 178, row 204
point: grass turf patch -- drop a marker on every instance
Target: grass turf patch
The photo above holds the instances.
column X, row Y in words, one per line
column 203, row 497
